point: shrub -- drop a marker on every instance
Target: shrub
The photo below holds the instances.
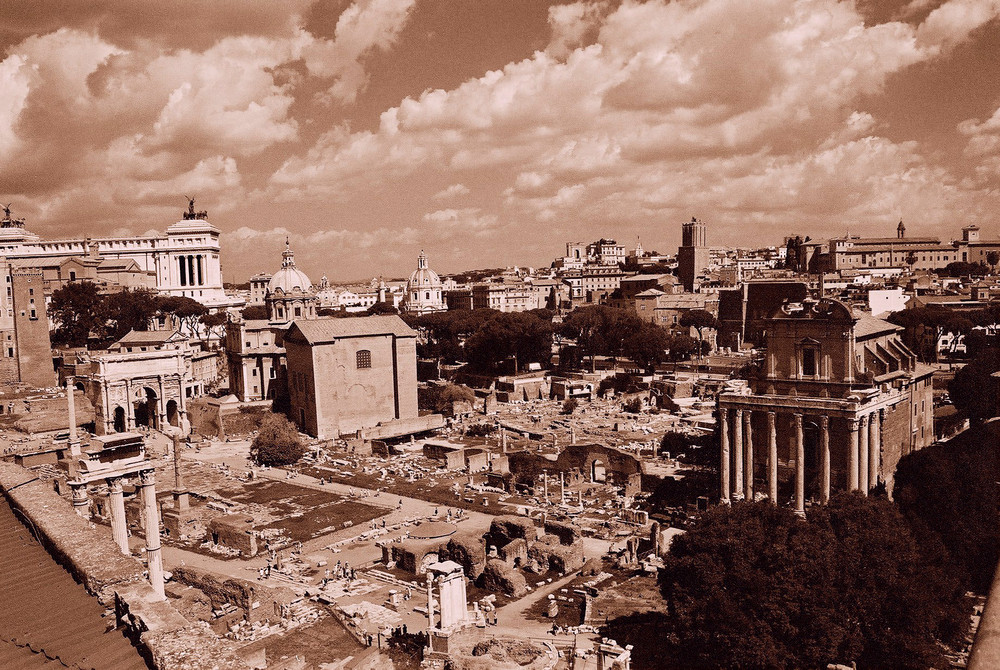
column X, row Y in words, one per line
column 570, row 405
column 633, row 406
column 277, row 442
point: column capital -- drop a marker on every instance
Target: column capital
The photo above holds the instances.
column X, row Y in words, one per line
column 771, row 415
column 862, row 420
column 853, row 423
column 738, row 412
column 824, row 422
column 797, row 417
column 747, row 416
column 114, row 484
column 723, row 413
column 147, row 477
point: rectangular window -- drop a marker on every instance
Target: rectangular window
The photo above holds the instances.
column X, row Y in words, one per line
column 364, row 359
column 809, row 362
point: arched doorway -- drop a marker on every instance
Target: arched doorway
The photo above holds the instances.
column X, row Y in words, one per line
column 598, row 473
column 119, row 420
column 172, row 416
column 145, row 409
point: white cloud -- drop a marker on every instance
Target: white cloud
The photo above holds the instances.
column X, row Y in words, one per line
column 452, row 191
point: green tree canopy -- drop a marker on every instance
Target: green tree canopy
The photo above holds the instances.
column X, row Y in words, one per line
column 277, row 442
column 754, row 586
column 78, row 310
column 518, row 335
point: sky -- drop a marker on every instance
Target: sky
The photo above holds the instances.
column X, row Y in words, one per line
column 491, row 132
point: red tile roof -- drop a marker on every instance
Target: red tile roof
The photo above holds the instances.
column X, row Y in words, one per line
column 46, row 615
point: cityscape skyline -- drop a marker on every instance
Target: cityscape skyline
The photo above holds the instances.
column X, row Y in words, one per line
column 354, row 130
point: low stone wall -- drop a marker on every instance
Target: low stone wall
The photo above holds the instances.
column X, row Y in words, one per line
column 166, row 639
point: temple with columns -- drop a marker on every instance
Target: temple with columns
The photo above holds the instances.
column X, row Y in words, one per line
column 839, row 401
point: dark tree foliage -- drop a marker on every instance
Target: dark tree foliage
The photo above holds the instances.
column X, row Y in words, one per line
column 754, row 586
column 569, row 405
column 186, row 310
column 441, row 397
column 255, row 312
column 974, row 390
column 77, row 310
column 647, row 346
column 681, row 347
column 381, row 308
column 923, row 326
column 213, row 324
column 129, row 310
column 600, row 330
column 992, row 258
column 521, row 336
column 963, row 269
column 277, row 442
column 950, row 490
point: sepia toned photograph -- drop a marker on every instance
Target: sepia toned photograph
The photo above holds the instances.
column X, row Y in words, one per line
column 500, row 334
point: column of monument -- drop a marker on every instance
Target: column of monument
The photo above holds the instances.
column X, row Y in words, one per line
column 863, row 455
column 772, row 459
column 724, row 463
column 874, row 446
column 116, row 509
column 800, row 467
column 824, row 445
column 852, row 455
column 748, row 451
column 738, row 454
column 154, row 561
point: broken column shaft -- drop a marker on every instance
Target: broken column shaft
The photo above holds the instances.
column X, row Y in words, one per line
column 147, row 480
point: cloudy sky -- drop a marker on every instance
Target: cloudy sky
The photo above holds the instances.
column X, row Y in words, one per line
column 490, row 132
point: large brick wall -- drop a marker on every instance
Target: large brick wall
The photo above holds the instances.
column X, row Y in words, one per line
column 31, row 328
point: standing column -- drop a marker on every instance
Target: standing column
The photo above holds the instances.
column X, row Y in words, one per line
column 863, row 455
column 852, row 455
column 74, row 443
column 738, row 454
column 800, row 467
column 824, row 446
column 748, row 442
column 724, row 462
column 154, row 561
column 874, row 447
column 430, row 603
column 772, row 459
column 116, row 508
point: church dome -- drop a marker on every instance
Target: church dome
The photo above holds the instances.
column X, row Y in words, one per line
column 423, row 276
column 289, row 278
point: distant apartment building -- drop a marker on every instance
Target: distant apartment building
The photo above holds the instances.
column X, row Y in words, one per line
column 915, row 253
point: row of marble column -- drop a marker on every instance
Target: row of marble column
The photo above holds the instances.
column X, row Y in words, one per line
column 737, row 472
column 119, row 526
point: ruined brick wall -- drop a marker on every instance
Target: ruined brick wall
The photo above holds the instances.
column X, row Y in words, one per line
column 567, row 533
column 258, row 602
column 236, row 532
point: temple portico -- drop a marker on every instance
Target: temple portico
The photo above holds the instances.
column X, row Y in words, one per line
column 797, row 433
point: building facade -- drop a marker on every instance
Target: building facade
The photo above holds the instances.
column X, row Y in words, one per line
column 184, row 261
column 346, row 375
column 840, row 400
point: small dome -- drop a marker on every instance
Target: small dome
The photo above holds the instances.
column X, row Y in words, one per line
column 289, row 278
column 423, row 276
